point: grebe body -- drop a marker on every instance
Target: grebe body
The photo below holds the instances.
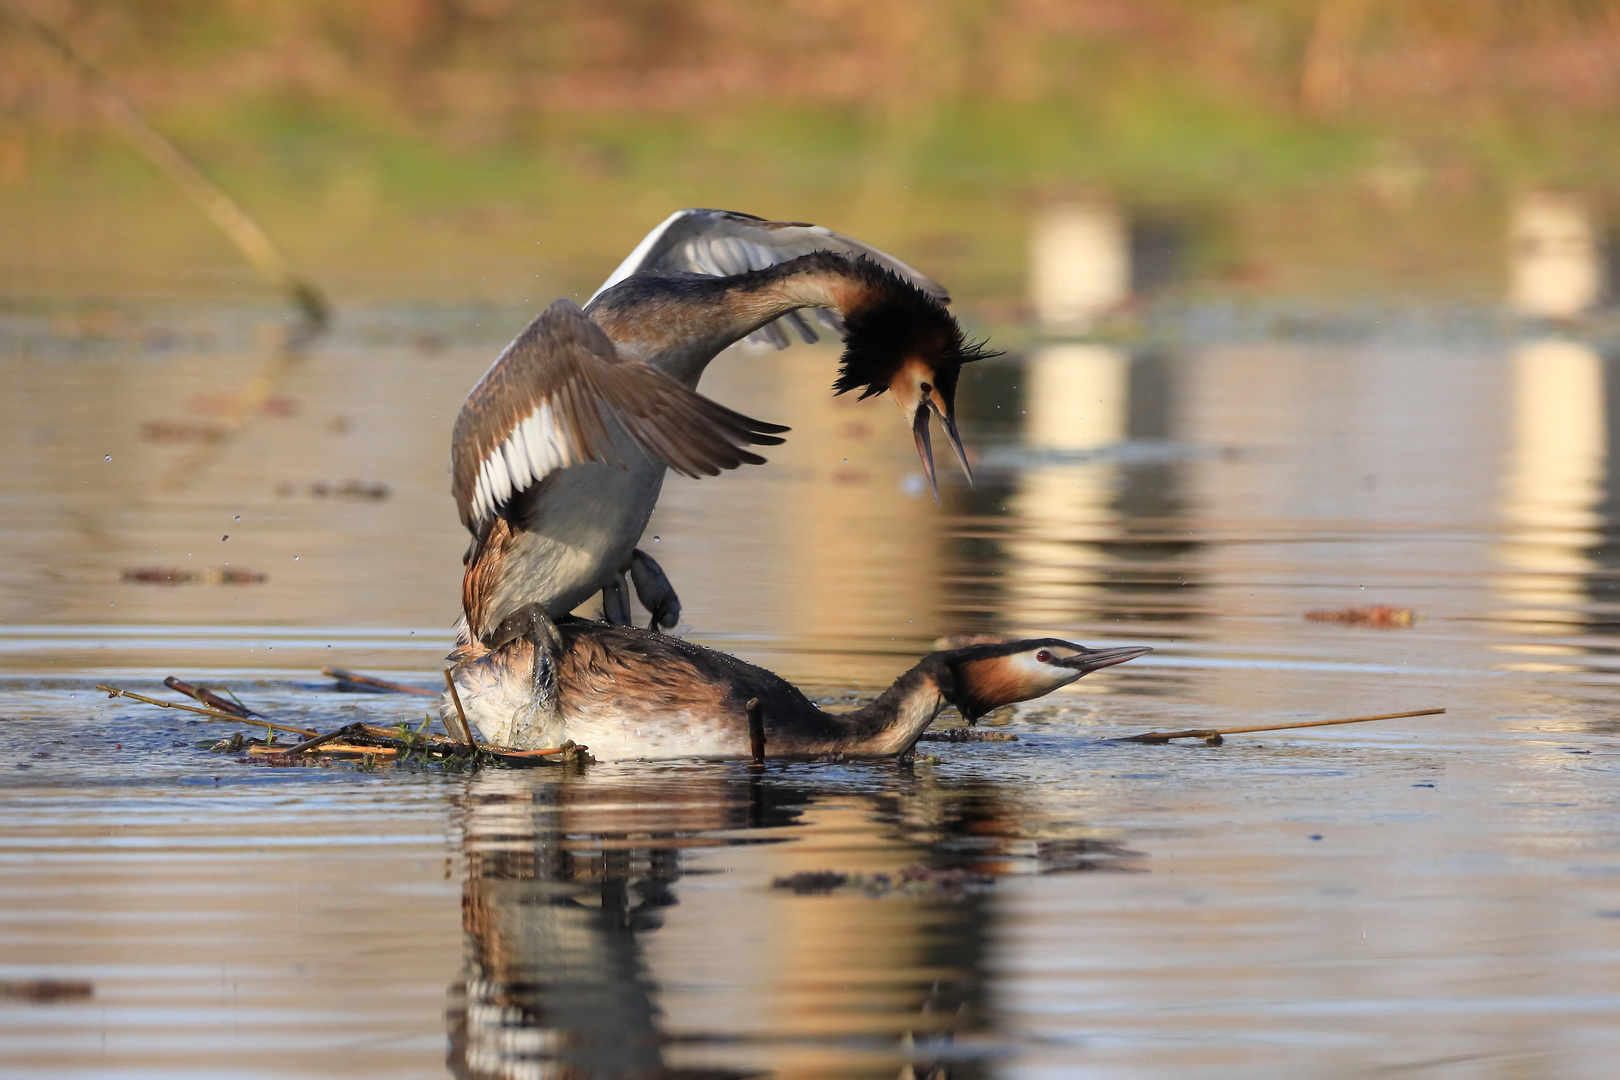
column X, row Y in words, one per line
column 629, row 693
column 559, row 453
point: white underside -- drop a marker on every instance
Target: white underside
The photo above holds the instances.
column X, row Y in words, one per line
column 501, row 709
column 582, row 532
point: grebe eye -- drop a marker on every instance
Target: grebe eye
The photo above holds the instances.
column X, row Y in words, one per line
column 925, row 388
column 1044, row 657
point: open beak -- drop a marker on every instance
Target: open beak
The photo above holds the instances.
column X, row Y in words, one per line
column 1096, row 659
column 925, row 449
column 925, row 446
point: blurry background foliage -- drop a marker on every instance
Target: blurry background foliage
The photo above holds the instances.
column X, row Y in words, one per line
column 502, row 150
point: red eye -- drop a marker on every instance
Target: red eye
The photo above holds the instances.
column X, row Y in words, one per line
column 1044, row 657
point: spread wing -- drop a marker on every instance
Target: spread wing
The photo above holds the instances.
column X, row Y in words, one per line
column 561, row 395
column 722, row 243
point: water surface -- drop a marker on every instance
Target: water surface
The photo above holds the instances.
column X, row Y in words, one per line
column 1436, row 896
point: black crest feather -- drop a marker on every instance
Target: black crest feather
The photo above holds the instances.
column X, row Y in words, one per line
column 900, row 322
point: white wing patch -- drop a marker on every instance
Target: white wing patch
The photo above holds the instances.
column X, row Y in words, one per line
column 632, row 262
column 533, row 449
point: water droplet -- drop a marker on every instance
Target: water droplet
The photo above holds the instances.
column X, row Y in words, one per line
column 109, row 457
column 655, row 539
column 227, row 536
column 238, row 517
column 295, row 558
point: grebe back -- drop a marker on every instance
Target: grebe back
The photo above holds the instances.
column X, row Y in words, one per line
column 630, row 693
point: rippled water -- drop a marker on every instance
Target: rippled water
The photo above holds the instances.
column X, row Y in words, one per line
column 1437, row 896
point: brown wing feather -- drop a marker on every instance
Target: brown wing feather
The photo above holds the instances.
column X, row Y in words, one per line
column 557, row 396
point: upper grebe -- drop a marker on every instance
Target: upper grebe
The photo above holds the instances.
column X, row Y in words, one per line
column 560, row 451
column 624, row 692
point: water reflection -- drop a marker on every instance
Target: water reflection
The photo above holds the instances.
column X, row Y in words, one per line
column 1090, row 498
column 1561, row 494
column 557, row 890
column 583, row 946
column 1075, row 400
column 1555, row 478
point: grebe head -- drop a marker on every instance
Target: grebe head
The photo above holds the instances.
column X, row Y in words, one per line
column 900, row 339
column 988, row 676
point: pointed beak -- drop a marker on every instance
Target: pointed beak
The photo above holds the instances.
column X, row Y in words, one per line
column 925, row 449
column 949, row 424
column 925, row 446
column 1096, row 659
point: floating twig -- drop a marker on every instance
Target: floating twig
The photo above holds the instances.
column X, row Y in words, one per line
column 322, row 740
column 209, row 698
column 1213, row 736
column 343, row 676
column 464, row 732
column 346, row 749
column 393, row 739
column 213, row 714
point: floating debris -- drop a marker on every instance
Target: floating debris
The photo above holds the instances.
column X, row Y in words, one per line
column 1213, row 736
column 811, row 882
column 170, row 575
column 1376, row 616
column 354, row 681
column 961, row 735
column 230, row 405
column 174, row 431
column 372, row 742
column 953, row 881
column 357, row 490
column 45, row 991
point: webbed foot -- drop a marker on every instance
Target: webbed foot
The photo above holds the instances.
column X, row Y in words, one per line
column 654, row 591
column 616, row 602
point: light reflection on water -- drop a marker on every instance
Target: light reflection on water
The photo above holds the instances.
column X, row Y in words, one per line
column 1439, row 894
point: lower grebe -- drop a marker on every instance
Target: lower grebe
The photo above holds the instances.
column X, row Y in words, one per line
column 624, row 693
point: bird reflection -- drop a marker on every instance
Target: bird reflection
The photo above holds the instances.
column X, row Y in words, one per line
column 568, row 876
column 555, row 984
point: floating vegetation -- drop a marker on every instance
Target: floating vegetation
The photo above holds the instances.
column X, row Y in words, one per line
column 372, row 744
column 1375, row 616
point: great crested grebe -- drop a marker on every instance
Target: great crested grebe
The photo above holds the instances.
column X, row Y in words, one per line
column 624, row 693
column 559, row 454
